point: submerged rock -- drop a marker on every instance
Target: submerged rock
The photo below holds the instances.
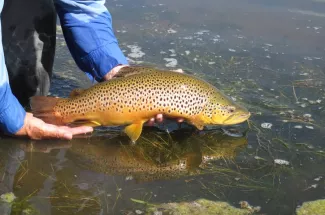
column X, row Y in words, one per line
column 198, row 207
column 312, row 208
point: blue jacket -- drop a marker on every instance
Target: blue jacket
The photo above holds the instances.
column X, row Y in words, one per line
column 87, row 28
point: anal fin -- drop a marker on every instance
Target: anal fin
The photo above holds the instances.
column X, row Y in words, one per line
column 134, row 130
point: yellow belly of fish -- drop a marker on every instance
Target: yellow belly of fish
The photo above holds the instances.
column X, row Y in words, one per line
column 116, row 118
column 134, row 121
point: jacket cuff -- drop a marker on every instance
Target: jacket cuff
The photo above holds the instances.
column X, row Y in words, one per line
column 104, row 59
column 12, row 114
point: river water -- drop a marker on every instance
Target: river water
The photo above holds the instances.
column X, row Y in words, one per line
column 267, row 55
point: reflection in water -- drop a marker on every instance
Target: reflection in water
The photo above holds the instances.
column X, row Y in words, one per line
column 156, row 156
column 55, row 177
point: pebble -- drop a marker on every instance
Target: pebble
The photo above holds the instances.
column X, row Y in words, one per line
column 318, row 178
column 281, row 162
column 266, row 125
column 171, row 31
column 307, row 115
column 138, row 212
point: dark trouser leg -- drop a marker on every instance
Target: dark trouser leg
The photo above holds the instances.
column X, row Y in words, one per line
column 29, row 31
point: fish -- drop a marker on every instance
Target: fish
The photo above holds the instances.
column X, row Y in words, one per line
column 136, row 95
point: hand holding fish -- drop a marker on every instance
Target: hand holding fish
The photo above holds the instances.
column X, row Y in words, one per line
column 36, row 128
column 160, row 118
column 136, row 95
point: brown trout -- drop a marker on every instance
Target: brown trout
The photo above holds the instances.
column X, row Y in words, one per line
column 138, row 94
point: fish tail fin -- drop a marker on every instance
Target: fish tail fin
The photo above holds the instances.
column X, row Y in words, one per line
column 43, row 108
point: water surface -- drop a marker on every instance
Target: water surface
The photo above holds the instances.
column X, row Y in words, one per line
column 267, row 55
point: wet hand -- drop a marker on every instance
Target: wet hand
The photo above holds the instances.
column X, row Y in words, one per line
column 36, row 129
column 159, row 119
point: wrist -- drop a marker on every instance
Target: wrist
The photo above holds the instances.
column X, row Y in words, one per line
column 12, row 114
column 25, row 128
column 114, row 71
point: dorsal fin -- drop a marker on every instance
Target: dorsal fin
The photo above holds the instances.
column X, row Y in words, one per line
column 197, row 122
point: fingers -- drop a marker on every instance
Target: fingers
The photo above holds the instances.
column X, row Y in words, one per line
column 47, row 131
column 43, row 130
column 160, row 118
column 37, row 129
column 64, row 132
column 79, row 130
column 151, row 122
column 180, row 120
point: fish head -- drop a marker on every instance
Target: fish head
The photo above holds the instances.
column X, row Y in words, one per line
column 224, row 111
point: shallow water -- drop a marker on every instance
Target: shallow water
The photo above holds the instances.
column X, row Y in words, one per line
column 268, row 55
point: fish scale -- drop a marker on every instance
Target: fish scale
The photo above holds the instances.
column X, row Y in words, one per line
column 138, row 94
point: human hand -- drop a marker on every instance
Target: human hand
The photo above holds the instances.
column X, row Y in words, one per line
column 36, row 129
column 159, row 117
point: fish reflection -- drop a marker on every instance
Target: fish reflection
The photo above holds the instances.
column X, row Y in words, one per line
column 157, row 155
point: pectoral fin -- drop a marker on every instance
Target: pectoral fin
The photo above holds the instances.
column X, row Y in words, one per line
column 134, row 130
column 85, row 123
column 199, row 124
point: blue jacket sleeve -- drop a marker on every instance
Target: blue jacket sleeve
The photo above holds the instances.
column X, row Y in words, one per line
column 12, row 114
column 88, row 31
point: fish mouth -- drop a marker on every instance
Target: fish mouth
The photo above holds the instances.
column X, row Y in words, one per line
column 237, row 118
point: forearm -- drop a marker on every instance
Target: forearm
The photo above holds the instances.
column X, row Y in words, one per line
column 88, row 31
